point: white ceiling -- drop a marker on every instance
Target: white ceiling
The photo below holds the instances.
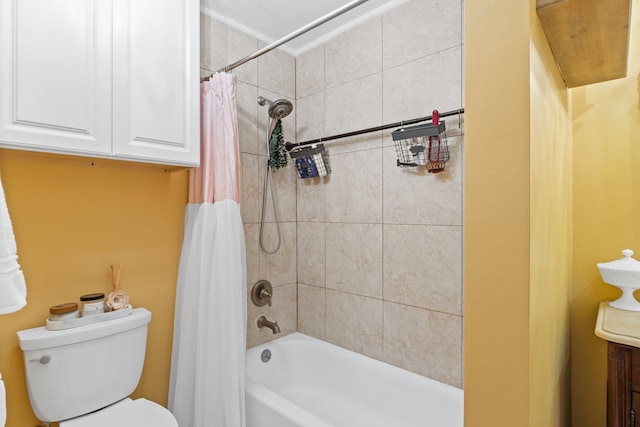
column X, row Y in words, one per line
column 270, row 20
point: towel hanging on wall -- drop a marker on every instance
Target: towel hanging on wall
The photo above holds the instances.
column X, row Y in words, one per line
column 3, row 403
column 13, row 291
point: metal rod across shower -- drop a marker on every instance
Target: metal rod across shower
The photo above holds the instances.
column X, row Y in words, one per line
column 290, row 146
column 347, row 7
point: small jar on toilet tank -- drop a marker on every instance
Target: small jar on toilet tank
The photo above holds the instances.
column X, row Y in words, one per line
column 92, row 304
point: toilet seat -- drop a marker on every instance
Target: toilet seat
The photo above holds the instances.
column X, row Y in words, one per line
column 126, row 413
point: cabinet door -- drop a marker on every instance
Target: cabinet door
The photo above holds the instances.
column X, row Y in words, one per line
column 55, row 75
column 156, row 81
column 619, row 410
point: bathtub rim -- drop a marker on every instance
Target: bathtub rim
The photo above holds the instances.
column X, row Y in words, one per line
column 301, row 337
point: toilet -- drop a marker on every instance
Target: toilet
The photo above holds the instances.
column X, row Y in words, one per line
column 83, row 376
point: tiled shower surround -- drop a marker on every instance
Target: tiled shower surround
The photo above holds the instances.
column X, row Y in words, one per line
column 371, row 256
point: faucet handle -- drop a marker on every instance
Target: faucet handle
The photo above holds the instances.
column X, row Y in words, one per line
column 264, row 294
column 261, row 293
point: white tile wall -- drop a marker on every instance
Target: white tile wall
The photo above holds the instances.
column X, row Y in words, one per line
column 354, row 193
column 310, row 72
column 354, row 322
column 354, row 54
column 277, row 72
column 372, row 254
column 420, row 28
column 311, row 310
column 222, row 45
column 423, row 341
column 422, row 266
column 393, row 251
column 354, row 105
column 354, row 258
column 416, row 88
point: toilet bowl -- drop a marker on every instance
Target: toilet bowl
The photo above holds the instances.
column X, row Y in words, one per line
column 83, row 376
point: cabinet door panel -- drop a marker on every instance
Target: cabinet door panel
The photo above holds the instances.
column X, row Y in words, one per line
column 55, row 82
column 156, row 92
column 619, row 385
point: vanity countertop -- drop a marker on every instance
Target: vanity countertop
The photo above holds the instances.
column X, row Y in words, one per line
column 619, row 326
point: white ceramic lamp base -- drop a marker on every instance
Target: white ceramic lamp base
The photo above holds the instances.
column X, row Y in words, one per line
column 626, row 301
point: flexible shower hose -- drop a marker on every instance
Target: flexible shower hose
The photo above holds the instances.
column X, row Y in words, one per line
column 268, row 184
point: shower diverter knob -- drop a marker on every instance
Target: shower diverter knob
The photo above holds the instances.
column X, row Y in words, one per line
column 261, row 293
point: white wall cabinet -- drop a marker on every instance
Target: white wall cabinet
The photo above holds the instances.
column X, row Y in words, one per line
column 103, row 78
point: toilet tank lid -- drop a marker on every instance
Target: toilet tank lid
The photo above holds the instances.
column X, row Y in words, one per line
column 41, row 337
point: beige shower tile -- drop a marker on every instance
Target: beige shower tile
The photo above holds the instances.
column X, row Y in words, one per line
column 279, row 268
column 354, row 193
column 423, row 266
column 366, row 141
column 354, row 322
column 310, row 117
column 283, row 310
column 354, row 258
column 221, row 45
column 426, row 342
column 311, row 308
column 420, row 28
column 284, row 187
column 354, row 105
column 253, row 253
column 253, row 333
column 430, row 83
column 355, row 53
column 310, row 72
column 250, row 188
column 414, row 196
column 311, row 198
column 246, row 96
column 311, row 253
column 277, row 72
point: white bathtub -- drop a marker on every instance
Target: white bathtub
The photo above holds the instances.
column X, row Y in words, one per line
column 311, row 383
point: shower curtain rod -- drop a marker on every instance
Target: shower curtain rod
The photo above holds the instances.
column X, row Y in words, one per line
column 293, row 35
column 290, row 146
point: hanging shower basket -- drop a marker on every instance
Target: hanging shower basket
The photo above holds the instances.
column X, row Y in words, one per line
column 311, row 161
column 422, row 145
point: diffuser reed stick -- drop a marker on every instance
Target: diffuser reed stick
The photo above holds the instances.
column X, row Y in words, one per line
column 117, row 299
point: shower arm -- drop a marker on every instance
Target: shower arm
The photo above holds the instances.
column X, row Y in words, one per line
column 290, row 146
column 293, row 35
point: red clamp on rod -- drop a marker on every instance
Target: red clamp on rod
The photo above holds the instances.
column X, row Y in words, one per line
column 435, row 117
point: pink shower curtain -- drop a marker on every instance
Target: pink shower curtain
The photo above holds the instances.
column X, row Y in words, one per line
column 209, row 338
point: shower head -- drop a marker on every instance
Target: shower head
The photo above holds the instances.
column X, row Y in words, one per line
column 278, row 109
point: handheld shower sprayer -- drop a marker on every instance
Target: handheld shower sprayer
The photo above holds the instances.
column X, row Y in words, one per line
column 278, row 109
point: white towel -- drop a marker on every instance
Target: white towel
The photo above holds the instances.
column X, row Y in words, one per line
column 3, row 404
column 13, row 291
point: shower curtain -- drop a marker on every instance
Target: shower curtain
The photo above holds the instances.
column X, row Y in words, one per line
column 209, row 340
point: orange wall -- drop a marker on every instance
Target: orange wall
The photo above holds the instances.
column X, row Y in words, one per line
column 72, row 220
column 550, row 238
column 496, row 213
column 517, row 259
column 606, row 131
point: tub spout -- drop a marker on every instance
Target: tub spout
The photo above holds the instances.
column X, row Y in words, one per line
column 262, row 322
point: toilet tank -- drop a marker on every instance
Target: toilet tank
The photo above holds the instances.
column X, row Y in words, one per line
column 75, row 371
